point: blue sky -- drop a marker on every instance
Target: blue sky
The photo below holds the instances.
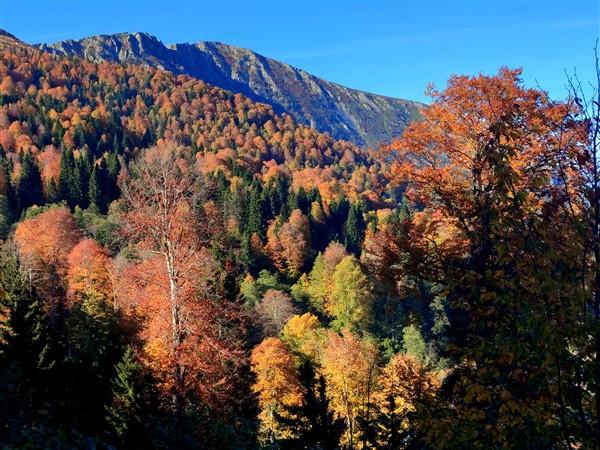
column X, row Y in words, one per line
column 391, row 47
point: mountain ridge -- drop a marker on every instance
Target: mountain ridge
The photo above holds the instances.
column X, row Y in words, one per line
column 351, row 114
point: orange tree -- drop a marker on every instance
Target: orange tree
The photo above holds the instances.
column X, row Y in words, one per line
column 491, row 166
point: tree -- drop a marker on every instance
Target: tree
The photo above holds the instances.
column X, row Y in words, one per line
column 313, row 422
column 277, row 386
column 273, row 311
column 320, row 278
column 98, row 191
column 29, row 187
column 43, row 243
column 351, row 296
column 492, row 164
column 69, row 185
column 161, row 197
column 350, row 369
column 303, row 336
column 354, row 229
column 587, row 189
column 289, row 245
column 128, row 409
column 88, row 271
column 24, row 350
column 404, row 383
column 413, row 344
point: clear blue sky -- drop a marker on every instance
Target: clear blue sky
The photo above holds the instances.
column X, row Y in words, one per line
column 391, row 47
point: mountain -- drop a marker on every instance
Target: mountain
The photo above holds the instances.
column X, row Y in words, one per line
column 350, row 114
column 9, row 41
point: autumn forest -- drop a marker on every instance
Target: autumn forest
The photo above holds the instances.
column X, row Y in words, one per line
column 184, row 267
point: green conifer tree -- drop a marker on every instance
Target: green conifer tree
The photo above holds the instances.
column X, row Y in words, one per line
column 125, row 413
column 354, row 229
column 29, row 187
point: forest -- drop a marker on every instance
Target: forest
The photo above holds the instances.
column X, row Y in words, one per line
column 183, row 268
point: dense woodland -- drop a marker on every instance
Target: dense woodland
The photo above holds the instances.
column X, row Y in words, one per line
column 183, row 268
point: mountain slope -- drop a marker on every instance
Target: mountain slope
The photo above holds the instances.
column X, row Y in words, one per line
column 8, row 41
column 345, row 113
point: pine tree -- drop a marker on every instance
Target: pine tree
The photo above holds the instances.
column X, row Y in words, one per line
column 354, row 229
column 97, row 188
column 255, row 220
column 79, row 137
column 314, row 423
column 52, row 193
column 115, row 145
column 125, row 414
column 29, row 187
column 6, row 168
column 82, row 173
column 65, row 177
column 5, row 216
column 24, row 348
column 113, row 167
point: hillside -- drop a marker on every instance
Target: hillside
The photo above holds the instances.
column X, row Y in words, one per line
column 361, row 117
column 50, row 103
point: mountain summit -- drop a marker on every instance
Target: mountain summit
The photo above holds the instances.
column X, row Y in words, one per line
column 361, row 117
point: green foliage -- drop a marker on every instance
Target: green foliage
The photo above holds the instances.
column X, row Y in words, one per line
column 414, row 344
column 97, row 191
column 25, row 353
column 318, row 287
column 252, row 290
column 354, row 229
column 351, row 299
column 29, row 186
column 127, row 412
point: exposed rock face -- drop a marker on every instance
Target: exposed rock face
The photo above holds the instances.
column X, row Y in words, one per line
column 345, row 113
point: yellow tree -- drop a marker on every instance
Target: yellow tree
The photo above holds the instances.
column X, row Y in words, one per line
column 403, row 383
column 303, row 335
column 349, row 366
column 351, row 296
column 320, row 278
column 277, row 387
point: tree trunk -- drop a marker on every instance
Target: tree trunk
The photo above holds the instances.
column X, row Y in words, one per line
column 175, row 329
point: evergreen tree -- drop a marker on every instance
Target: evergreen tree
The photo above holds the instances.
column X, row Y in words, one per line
column 65, row 177
column 79, row 137
column 6, row 168
column 255, row 206
column 303, row 202
column 29, row 187
column 5, row 216
column 52, row 192
column 126, row 413
column 24, row 352
column 113, row 167
column 83, row 170
column 98, row 185
column 339, row 210
column 314, row 423
column 115, row 145
column 354, row 229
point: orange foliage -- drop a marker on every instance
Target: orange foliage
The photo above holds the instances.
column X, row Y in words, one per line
column 289, row 246
column 88, row 271
column 277, row 385
column 44, row 243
